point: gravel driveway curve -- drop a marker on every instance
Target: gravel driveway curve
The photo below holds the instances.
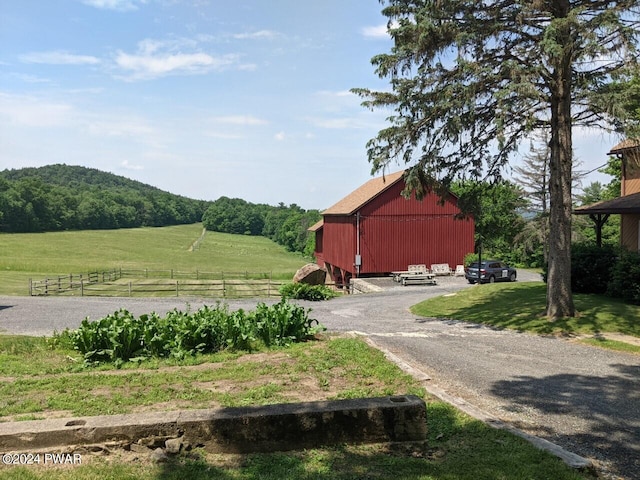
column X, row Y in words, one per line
column 582, row 398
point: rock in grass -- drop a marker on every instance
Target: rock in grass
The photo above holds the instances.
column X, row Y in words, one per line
column 173, row 445
column 310, row 274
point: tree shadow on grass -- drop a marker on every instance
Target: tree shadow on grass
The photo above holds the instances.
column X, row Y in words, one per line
column 522, row 307
column 608, row 407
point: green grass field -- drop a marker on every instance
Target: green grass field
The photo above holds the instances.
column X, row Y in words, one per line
column 521, row 306
column 36, row 255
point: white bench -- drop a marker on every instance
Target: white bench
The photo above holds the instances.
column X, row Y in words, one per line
column 441, row 269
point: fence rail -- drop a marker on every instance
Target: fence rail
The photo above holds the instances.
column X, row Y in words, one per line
column 154, row 283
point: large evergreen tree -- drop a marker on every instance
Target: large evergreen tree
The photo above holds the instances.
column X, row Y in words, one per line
column 471, row 78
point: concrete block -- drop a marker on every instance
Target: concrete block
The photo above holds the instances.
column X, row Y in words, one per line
column 287, row 426
column 307, row 425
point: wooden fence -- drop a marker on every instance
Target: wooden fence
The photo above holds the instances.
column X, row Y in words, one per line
column 159, row 283
column 62, row 284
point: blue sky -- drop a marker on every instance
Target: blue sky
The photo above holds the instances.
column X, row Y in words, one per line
column 203, row 98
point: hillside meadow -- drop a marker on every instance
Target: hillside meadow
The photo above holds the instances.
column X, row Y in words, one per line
column 37, row 255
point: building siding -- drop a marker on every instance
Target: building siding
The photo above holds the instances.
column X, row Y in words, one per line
column 339, row 241
column 629, row 231
column 395, row 232
column 630, row 223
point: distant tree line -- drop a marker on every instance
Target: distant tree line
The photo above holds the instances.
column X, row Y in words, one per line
column 61, row 197
column 512, row 219
column 286, row 225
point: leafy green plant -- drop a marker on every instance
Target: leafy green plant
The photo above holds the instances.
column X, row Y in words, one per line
column 284, row 323
column 303, row 291
column 121, row 337
column 115, row 337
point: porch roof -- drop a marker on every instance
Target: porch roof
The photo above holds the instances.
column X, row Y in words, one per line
column 624, row 204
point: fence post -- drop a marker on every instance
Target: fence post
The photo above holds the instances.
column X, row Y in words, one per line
column 130, row 289
column 81, row 288
column 177, row 289
column 30, row 288
column 224, row 291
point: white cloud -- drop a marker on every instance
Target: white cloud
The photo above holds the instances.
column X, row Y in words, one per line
column 119, row 5
column 30, row 78
column 125, row 164
column 280, row 136
column 148, row 66
column 248, row 67
column 339, row 93
column 224, row 136
column 59, row 57
column 337, row 123
column 377, row 31
column 118, row 126
column 245, row 120
column 33, row 112
column 259, row 35
column 22, row 113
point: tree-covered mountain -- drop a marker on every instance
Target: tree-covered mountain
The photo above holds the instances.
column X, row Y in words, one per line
column 63, row 197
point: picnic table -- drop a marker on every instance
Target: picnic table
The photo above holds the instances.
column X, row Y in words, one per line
column 428, row 278
column 415, row 274
column 411, row 270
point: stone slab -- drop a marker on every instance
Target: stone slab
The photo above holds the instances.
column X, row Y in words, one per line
column 279, row 427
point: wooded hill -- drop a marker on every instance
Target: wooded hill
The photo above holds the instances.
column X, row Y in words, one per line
column 64, row 197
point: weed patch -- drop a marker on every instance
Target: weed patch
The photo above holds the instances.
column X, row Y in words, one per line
column 122, row 337
column 303, row 291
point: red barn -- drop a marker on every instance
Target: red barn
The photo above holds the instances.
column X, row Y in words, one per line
column 374, row 230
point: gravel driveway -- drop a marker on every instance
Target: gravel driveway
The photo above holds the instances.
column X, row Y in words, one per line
column 583, row 398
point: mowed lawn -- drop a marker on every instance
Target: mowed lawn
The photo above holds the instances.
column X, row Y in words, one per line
column 521, row 306
column 36, row 255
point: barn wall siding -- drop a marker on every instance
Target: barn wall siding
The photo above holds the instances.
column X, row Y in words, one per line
column 339, row 245
column 390, row 244
column 395, row 232
column 390, row 202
